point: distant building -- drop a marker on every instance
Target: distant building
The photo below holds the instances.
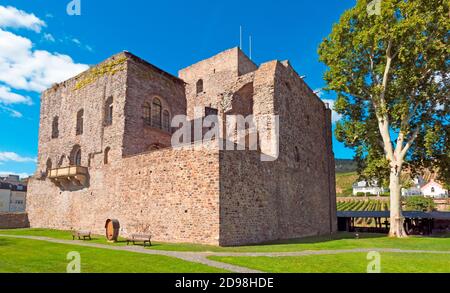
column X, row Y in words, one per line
column 434, row 189
column 415, row 189
column 11, row 179
column 12, row 197
column 368, row 187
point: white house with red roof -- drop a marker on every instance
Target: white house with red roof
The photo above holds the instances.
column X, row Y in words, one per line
column 434, row 189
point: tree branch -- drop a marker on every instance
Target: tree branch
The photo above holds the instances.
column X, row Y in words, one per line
column 410, row 142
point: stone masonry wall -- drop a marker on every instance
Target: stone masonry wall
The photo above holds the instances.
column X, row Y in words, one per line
column 218, row 74
column 181, row 195
column 14, row 220
column 145, row 82
column 290, row 197
column 88, row 91
column 172, row 194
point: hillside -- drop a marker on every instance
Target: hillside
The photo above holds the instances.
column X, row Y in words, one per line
column 345, row 166
column 344, row 183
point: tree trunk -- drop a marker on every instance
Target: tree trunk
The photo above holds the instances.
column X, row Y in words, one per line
column 397, row 220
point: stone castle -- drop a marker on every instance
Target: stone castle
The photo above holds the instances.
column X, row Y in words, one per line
column 105, row 153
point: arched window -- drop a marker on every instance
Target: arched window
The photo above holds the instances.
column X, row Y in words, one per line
column 109, row 111
column 433, row 190
column 156, row 113
column 200, row 86
column 106, row 157
column 166, row 121
column 48, row 166
column 61, row 161
column 297, row 154
column 75, row 156
column 55, row 127
column 147, row 111
column 80, row 118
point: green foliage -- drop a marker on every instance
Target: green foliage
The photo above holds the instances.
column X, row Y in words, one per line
column 392, row 70
column 360, row 194
column 420, row 203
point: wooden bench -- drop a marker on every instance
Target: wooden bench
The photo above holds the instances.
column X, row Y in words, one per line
column 139, row 239
column 81, row 235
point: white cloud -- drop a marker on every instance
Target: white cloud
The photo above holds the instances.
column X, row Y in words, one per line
column 76, row 41
column 49, row 37
column 13, row 157
column 11, row 17
column 23, row 68
column 336, row 117
column 21, row 175
column 13, row 113
column 7, row 97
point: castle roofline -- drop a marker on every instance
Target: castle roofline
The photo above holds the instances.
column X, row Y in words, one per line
column 125, row 54
column 224, row 52
column 139, row 59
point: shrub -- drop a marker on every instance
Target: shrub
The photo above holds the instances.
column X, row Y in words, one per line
column 386, row 194
column 420, row 203
column 360, row 194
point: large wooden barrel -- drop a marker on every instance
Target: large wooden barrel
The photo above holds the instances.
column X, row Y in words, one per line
column 112, row 227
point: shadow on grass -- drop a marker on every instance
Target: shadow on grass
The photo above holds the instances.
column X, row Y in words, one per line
column 6, row 242
column 322, row 239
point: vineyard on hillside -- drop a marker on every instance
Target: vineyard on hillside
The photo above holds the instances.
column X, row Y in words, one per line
column 363, row 205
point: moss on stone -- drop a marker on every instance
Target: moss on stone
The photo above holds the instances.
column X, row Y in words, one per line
column 108, row 68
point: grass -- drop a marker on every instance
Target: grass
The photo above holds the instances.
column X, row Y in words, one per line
column 33, row 256
column 344, row 183
column 344, row 263
column 337, row 241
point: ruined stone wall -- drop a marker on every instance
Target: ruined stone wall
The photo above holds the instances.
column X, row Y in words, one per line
column 145, row 82
column 172, row 194
column 14, row 220
column 218, row 73
column 290, row 197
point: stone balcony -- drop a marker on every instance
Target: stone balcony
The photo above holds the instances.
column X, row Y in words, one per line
column 66, row 177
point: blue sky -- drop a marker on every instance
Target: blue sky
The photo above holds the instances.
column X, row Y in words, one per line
column 46, row 45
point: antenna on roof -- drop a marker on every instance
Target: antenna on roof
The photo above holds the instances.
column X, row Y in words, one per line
column 250, row 41
column 240, row 37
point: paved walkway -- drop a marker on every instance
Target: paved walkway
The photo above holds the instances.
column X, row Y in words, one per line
column 202, row 257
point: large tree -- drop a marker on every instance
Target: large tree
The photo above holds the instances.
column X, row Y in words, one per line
column 390, row 71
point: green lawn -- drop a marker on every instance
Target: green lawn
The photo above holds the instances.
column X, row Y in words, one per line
column 344, row 263
column 338, row 241
column 32, row 256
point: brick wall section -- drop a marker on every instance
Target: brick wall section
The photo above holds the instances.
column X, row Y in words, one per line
column 14, row 220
